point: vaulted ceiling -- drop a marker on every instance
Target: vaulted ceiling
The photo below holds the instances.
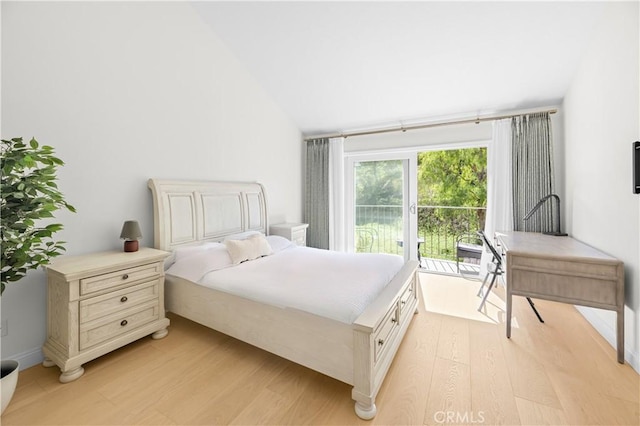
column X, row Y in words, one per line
column 341, row 66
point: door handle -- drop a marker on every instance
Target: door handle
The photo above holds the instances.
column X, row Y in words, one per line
column 412, row 208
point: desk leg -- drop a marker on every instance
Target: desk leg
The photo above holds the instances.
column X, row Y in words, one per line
column 620, row 334
column 509, row 299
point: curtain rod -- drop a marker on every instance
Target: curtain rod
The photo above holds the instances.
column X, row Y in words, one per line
column 476, row 120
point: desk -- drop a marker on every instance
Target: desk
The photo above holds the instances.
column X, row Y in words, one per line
column 563, row 270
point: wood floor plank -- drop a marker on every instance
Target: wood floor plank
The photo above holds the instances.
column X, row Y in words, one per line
column 450, row 392
column 491, row 391
column 567, row 335
column 453, row 343
column 235, row 366
column 246, row 383
column 308, row 401
column 262, row 409
column 147, row 417
column 583, row 403
column 528, row 374
column 534, row 414
column 69, row 405
column 325, row 402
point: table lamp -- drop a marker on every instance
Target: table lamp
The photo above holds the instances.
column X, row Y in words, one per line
column 130, row 234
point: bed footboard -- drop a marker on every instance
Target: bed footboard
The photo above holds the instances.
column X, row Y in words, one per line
column 378, row 332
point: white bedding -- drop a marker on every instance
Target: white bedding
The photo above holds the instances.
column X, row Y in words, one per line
column 331, row 284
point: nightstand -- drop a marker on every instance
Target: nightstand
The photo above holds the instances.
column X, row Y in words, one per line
column 99, row 302
column 296, row 232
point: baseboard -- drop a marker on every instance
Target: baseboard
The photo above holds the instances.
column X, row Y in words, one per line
column 28, row 358
column 609, row 335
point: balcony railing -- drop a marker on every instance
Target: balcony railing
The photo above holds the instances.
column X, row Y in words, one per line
column 379, row 228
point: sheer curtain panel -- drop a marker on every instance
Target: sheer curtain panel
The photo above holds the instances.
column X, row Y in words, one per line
column 336, row 195
column 499, row 192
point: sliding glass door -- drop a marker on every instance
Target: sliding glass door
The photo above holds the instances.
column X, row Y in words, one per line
column 381, row 209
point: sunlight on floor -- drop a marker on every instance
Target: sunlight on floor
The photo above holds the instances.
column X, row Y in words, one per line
column 456, row 296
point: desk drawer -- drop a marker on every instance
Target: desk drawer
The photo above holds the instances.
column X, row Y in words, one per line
column 564, row 288
column 567, row 267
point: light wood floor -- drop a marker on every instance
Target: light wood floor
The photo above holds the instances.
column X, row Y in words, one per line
column 454, row 366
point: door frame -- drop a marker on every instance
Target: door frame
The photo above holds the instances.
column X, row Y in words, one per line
column 409, row 195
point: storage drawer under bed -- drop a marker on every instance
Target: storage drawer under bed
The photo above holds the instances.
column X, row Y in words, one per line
column 383, row 335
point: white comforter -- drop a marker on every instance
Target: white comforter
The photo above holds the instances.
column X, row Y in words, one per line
column 331, row 284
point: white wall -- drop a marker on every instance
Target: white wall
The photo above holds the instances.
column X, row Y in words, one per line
column 124, row 92
column 602, row 119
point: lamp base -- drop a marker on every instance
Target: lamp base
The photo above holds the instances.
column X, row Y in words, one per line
column 131, row 246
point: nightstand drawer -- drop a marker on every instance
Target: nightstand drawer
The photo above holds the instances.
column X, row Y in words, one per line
column 109, row 327
column 114, row 279
column 107, row 304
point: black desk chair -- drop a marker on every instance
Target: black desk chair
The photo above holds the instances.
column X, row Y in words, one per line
column 495, row 269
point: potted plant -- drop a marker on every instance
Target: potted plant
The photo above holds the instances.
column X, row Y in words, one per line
column 29, row 197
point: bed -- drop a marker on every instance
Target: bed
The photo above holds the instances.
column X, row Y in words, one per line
column 358, row 352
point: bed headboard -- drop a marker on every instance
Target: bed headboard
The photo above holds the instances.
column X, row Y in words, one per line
column 192, row 212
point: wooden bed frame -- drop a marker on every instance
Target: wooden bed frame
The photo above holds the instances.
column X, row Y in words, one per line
column 359, row 354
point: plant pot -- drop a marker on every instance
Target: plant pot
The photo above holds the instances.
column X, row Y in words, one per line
column 8, row 381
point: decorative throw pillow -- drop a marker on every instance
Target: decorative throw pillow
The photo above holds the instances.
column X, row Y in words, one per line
column 250, row 248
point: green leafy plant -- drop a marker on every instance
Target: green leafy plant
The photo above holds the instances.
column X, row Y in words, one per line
column 29, row 195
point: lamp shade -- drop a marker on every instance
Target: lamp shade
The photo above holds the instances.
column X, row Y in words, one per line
column 131, row 230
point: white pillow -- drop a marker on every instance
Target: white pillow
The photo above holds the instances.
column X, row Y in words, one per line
column 250, row 248
column 242, row 235
column 183, row 252
column 199, row 263
column 279, row 243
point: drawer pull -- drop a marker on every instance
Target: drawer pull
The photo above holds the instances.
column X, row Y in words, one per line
column 404, row 302
column 394, row 320
column 123, row 299
column 123, row 323
column 125, row 276
column 380, row 342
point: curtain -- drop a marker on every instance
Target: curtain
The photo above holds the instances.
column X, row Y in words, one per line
column 336, row 195
column 316, row 205
column 499, row 193
column 532, row 171
column 324, row 194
